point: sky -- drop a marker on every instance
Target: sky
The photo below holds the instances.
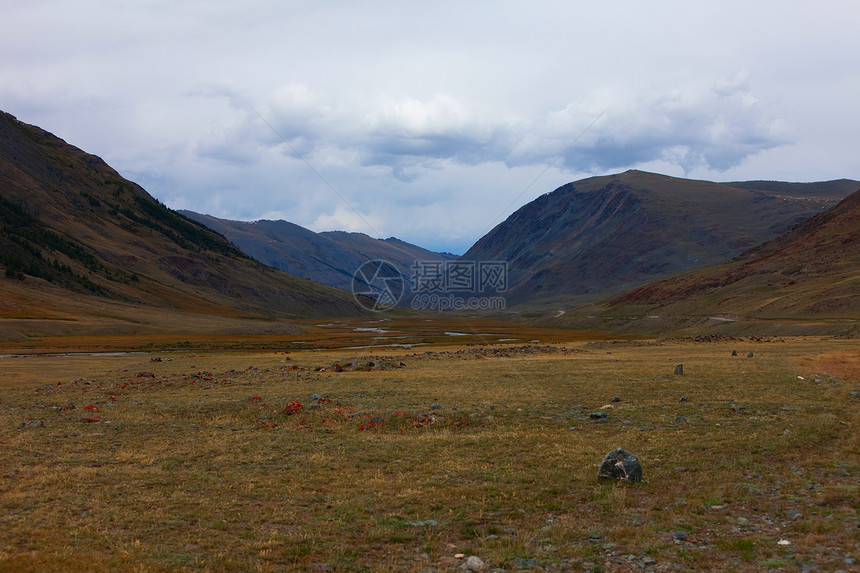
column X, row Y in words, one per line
column 433, row 121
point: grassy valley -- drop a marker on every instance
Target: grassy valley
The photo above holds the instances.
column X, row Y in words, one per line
column 410, row 459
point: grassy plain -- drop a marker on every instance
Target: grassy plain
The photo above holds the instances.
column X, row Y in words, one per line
column 400, row 459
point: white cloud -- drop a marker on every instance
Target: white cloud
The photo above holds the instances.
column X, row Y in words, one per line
column 428, row 117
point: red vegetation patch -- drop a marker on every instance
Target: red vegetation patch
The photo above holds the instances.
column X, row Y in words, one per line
column 292, row 408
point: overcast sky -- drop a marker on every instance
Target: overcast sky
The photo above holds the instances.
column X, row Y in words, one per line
column 433, row 121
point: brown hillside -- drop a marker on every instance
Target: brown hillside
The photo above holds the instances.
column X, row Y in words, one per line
column 78, row 239
column 813, row 271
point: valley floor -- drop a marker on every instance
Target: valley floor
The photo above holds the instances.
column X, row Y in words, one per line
column 392, row 458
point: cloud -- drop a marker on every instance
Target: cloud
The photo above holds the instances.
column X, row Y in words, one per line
column 433, row 118
column 715, row 128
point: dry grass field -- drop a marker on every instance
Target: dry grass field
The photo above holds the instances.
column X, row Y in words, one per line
column 273, row 458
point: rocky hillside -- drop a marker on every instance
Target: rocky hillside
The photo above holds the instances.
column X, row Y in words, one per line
column 72, row 230
column 330, row 257
column 810, row 273
column 601, row 235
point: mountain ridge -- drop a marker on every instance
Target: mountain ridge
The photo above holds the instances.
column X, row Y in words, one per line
column 599, row 235
column 67, row 214
column 806, row 281
column 328, row 257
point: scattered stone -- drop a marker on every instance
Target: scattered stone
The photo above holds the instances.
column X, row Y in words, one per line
column 619, row 464
column 783, row 542
column 597, row 415
column 683, row 399
column 615, row 399
column 734, row 352
column 679, row 370
column 474, row 564
column 750, row 355
column 679, row 536
column 520, row 563
column 435, row 407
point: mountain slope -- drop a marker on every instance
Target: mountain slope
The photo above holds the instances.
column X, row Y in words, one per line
column 330, row 257
column 590, row 238
column 811, row 272
column 74, row 230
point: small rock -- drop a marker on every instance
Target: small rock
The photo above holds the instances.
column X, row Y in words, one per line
column 734, row 352
column 475, row 564
column 679, row 370
column 683, row 399
column 619, row 464
column 436, row 407
column 597, row 415
column 783, row 542
column 679, row 535
column 615, row 399
column 520, row 563
column 750, row 355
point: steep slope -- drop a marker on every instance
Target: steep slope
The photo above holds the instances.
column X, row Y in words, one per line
column 76, row 234
column 811, row 272
column 597, row 236
column 330, row 257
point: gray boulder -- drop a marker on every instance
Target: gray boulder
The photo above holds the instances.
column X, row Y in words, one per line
column 619, row 464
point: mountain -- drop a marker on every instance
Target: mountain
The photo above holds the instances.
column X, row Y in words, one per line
column 76, row 238
column 822, row 191
column 330, row 257
column 810, row 274
column 600, row 235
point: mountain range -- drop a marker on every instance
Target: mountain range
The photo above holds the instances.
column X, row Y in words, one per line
column 77, row 239
column 82, row 246
column 594, row 237
column 810, row 274
column 330, row 257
